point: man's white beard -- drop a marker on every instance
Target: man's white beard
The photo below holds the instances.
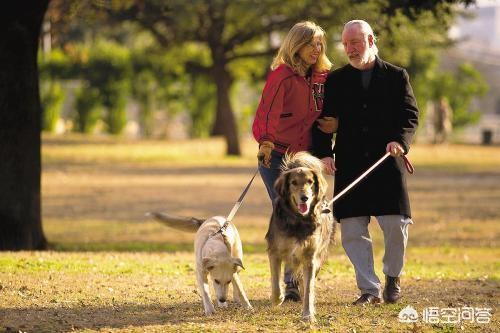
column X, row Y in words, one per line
column 361, row 62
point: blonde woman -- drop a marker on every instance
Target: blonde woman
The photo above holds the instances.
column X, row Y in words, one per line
column 290, row 105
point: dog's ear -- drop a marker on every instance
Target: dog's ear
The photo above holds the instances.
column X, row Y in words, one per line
column 237, row 263
column 281, row 185
column 208, row 263
column 321, row 185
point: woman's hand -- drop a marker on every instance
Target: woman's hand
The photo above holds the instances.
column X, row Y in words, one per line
column 264, row 154
column 329, row 164
column 328, row 125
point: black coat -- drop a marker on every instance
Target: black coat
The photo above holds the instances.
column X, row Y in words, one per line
column 368, row 121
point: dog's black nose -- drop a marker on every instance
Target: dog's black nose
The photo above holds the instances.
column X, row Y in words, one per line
column 222, row 300
column 303, row 198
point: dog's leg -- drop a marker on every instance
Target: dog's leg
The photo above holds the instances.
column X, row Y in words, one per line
column 275, row 264
column 204, row 289
column 301, row 288
column 308, row 310
column 238, row 292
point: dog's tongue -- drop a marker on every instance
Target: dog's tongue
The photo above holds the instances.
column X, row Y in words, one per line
column 302, row 208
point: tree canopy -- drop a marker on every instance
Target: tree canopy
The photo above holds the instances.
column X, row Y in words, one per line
column 220, row 42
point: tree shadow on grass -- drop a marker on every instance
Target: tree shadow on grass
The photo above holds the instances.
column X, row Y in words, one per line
column 333, row 305
column 64, row 319
column 129, row 246
column 124, row 169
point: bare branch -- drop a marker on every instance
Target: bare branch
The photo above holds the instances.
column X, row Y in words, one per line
column 244, row 36
column 193, row 67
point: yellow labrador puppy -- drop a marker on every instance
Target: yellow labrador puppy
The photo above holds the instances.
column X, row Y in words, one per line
column 218, row 255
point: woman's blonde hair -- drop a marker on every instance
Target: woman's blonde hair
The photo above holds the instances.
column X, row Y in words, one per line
column 301, row 34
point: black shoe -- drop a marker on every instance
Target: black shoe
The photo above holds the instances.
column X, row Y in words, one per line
column 292, row 292
column 367, row 299
column 392, row 290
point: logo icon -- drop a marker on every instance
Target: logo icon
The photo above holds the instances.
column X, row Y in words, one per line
column 408, row 315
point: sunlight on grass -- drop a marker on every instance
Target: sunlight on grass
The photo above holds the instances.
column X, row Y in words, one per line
column 456, row 157
column 82, row 149
column 111, row 269
column 423, row 263
column 59, row 291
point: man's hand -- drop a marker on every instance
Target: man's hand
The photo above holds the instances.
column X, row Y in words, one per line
column 394, row 148
column 329, row 164
column 264, row 154
column 328, row 125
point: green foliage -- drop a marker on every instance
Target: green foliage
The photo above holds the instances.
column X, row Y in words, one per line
column 55, row 65
column 104, row 72
column 144, row 87
column 460, row 88
column 109, row 69
column 160, row 82
column 169, row 56
column 88, row 109
column 52, row 101
column 201, row 106
column 116, row 117
column 414, row 39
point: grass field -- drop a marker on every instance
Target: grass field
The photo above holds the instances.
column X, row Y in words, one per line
column 112, row 270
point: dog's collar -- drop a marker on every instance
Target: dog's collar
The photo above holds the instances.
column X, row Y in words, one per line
column 221, row 229
column 325, row 207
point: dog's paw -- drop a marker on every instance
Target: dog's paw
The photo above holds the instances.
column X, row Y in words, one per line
column 222, row 304
column 309, row 318
column 209, row 311
column 277, row 301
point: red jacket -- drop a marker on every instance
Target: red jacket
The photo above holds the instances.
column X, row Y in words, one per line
column 288, row 108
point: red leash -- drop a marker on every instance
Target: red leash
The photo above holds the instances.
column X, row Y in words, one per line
column 408, row 165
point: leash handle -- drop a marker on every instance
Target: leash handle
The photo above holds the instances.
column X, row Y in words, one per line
column 408, row 165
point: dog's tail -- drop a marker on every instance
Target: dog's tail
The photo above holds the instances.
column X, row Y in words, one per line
column 190, row 224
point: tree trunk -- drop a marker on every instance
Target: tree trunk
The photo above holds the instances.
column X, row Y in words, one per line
column 225, row 123
column 20, row 122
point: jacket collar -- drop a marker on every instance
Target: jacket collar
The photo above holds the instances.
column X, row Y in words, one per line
column 290, row 71
column 380, row 67
column 379, row 71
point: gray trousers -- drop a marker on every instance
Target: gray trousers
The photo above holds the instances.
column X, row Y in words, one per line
column 357, row 244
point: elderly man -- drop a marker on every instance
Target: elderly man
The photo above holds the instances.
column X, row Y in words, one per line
column 376, row 111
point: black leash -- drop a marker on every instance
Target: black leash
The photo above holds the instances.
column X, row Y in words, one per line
column 236, row 206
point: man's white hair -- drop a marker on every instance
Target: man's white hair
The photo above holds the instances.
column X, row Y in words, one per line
column 365, row 29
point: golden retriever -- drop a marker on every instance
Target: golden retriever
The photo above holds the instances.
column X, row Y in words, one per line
column 301, row 227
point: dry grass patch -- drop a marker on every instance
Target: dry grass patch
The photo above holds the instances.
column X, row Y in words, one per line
column 134, row 292
column 116, row 271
